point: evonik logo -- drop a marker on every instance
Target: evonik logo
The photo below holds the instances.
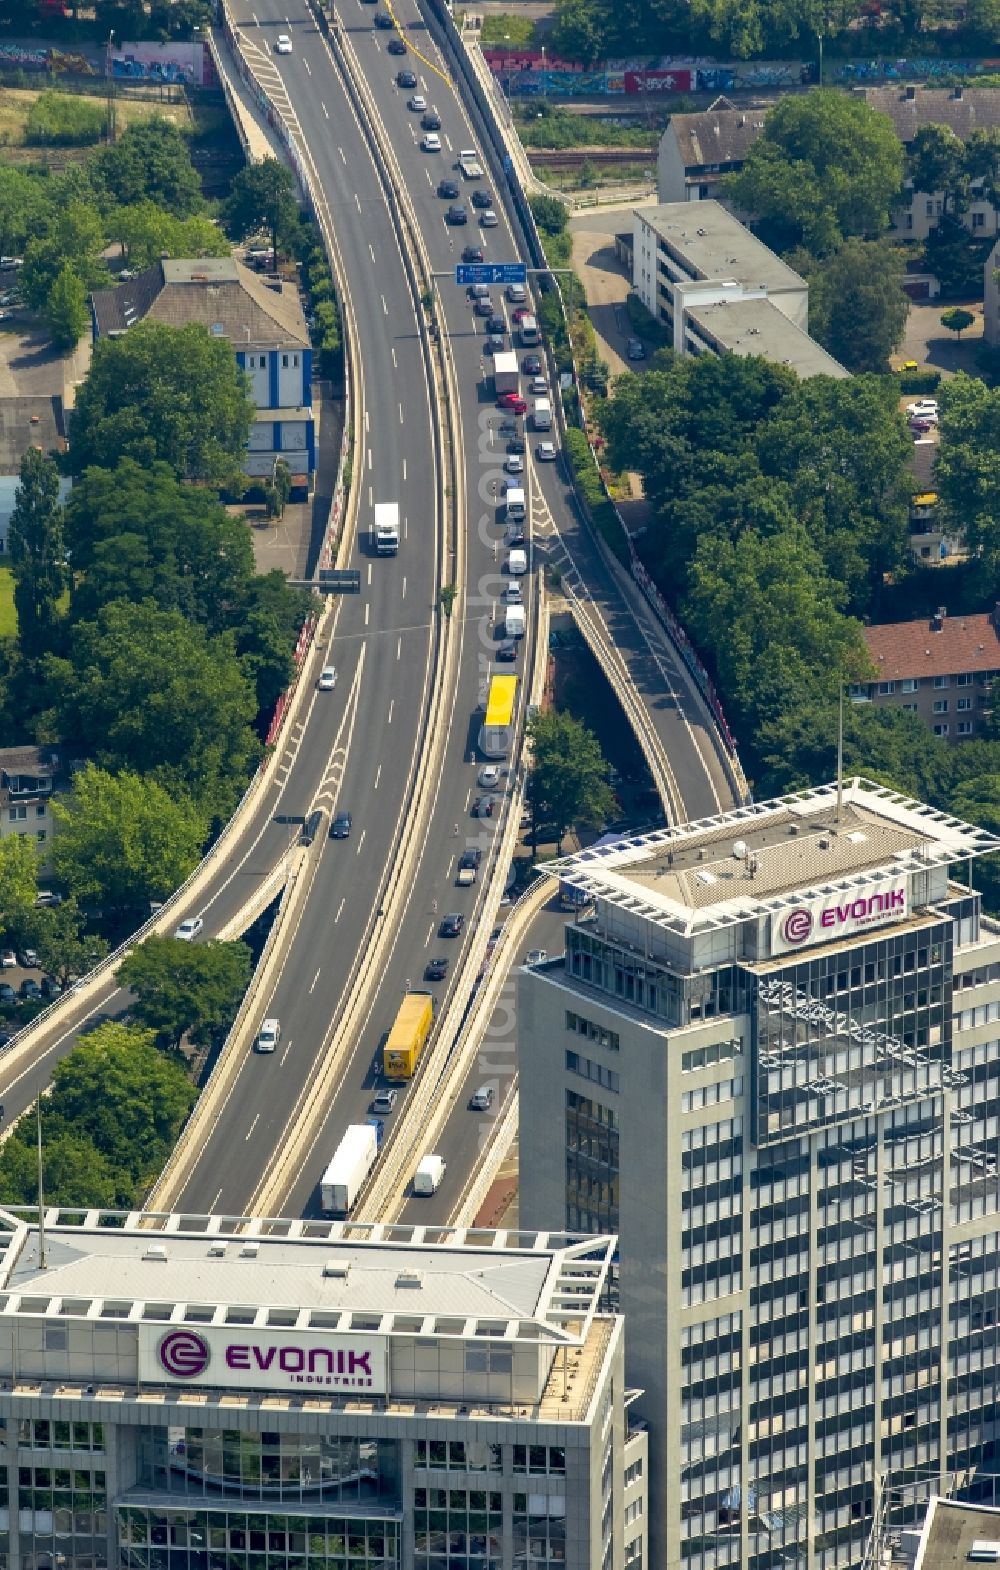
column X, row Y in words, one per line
column 797, row 925
column 183, row 1353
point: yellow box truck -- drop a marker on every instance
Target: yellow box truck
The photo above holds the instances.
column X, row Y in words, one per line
column 409, row 1032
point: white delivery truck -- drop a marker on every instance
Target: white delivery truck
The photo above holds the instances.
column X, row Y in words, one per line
column 506, row 375
column 516, row 507
column 541, row 416
column 513, row 622
column 468, row 162
column 385, row 529
column 352, row 1161
column 430, row 1171
column 517, row 562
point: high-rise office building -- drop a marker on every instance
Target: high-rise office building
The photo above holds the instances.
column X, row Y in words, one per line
column 768, row 1059
column 183, row 1393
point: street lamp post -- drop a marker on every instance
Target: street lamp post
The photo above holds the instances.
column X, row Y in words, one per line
column 543, row 73
column 110, row 68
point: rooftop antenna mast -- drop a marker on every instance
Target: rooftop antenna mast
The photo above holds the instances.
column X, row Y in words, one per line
column 840, row 751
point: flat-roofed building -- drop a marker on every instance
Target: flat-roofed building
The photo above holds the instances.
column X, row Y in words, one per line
column 767, row 1061
column 721, row 290
column 207, row 1393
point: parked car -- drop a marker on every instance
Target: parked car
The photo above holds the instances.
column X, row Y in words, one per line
column 436, row 969
column 452, row 924
column 396, row 46
column 384, row 1100
column 189, row 928
column 29, row 990
column 636, row 349
column 923, row 409
column 29, row 959
column 448, row 190
column 7, row 993
column 536, row 957
column 51, row 988
column 8, row 959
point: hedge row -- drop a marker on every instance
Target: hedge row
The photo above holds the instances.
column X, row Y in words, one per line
column 590, row 488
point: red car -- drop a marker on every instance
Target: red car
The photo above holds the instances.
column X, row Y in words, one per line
column 521, row 312
column 512, row 401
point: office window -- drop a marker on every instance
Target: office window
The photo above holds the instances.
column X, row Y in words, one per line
column 592, row 1031
column 596, row 1072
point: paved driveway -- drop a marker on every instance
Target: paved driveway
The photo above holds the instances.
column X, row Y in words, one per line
column 930, row 344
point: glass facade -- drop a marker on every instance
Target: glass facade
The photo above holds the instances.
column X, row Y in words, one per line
column 591, row 1165
column 457, row 1529
column 61, row 1495
column 221, row 1538
column 267, row 1466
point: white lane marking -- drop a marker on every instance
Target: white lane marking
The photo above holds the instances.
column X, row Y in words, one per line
column 394, row 354
column 367, row 418
column 399, row 647
column 218, row 1196
column 315, row 978
column 468, row 800
column 385, row 308
column 430, row 934
column 369, row 572
column 361, row 840
column 404, row 468
column 401, row 414
column 324, row 108
column 447, row 142
column 358, row 200
column 305, row 62
column 339, row 909
column 369, row 458
column 404, row 588
column 406, row 525
column 367, row 609
column 378, row 775
column 256, row 24
column 289, row 1046
column 392, row 704
column 371, row 250
column 370, row 493
column 341, row 152
column 451, row 863
column 253, row 1125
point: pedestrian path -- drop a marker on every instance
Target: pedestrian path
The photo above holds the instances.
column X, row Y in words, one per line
column 259, row 139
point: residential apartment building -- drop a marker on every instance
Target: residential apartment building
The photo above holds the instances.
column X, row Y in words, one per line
column 697, row 150
column 768, row 1059
column 29, row 778
column 199, row 1393
column 720, row 290
column 942, row 669
column 263, row 320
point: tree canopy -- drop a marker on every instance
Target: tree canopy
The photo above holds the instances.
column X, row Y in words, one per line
column 18, row 882
column 186, row 988
column 263, row 200
column 568, row 782
column 826, row 167
column 65, row 948
column 150, row 162
column 163, row 394
column 37, row 552
column 857, row 307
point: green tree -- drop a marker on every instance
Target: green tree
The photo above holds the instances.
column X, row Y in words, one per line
column 37, row 553
column 150, row 162
column 957, row 320
column 139, row 534
column 568, row 783
column 66, row 313
column 159, row 393
column 73, row 238
column 65, row 949
column 18, row 882
column 148, row 691
column 955, row 258
column 75, row 1172
column 263, row 199
column 967, row 471
column 857, row 307
column 936, row 161
column 124, row 840
column 186, row 988
column 577, row 33
column 145, row 232
column 826, row 167
column 24, row 208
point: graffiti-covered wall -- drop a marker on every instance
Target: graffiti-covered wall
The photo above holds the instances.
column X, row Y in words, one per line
column 190, row 64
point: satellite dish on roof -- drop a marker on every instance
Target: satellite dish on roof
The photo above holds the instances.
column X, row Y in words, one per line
column 740, row 850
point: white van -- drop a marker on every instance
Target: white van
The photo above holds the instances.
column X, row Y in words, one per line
column 516, row 506
column 517, row 563
column 270, row 1035
column 430, row 1171
column 542, row 415
column 514, row 622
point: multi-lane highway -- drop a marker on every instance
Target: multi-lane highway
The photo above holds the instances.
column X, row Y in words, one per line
column 355, row 748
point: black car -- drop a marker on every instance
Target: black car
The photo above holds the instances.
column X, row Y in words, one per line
column 430, row 121
column 507, row 649
column 456, row 214
column 7, row 993
column 29, row 990
column 494, row 344
column 406, row 79
column 448, row 189
column 396, row 46
column 516, row 444
column 382, row 19
column 531, row 365
column 482, row 807
column 496, row 324
column 452, row 924
column 340, row 828
column 51, row 988
column 436, row 969
column 472, row 253
column 481, row 198
column 471, row 858
column 514, row 534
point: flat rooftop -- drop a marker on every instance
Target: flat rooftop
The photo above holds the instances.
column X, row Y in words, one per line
column 759, row 327
column 218, row 1270
column 766, row 856
column 714, row 244
column 950, row 1529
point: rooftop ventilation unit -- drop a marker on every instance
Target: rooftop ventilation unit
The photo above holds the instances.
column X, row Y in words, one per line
column 338, row 1269
column 249, row 1251
column 410, row 1278
column 217, row 1251
column 156, row 1251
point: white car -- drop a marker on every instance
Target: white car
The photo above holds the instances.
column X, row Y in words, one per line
column 538, row 386
column 536, row 957
column 482, row 1099
column 512, row 594
column 270, row 1035
column 418, row 103
column 514, row 464
column 488, row 777
column 431, row 143
column 488, row 219
column 545, row 452
column 327, row 678
column 284, row 45
column 923, row 409
column 189, row 928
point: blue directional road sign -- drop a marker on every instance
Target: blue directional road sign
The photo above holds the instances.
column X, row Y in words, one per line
column 491, row 272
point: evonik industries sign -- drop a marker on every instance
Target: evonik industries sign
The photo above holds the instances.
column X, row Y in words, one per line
column 242, row 1358
column 833, row 917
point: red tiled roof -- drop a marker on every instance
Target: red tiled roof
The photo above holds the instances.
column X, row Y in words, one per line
column 900, row 650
